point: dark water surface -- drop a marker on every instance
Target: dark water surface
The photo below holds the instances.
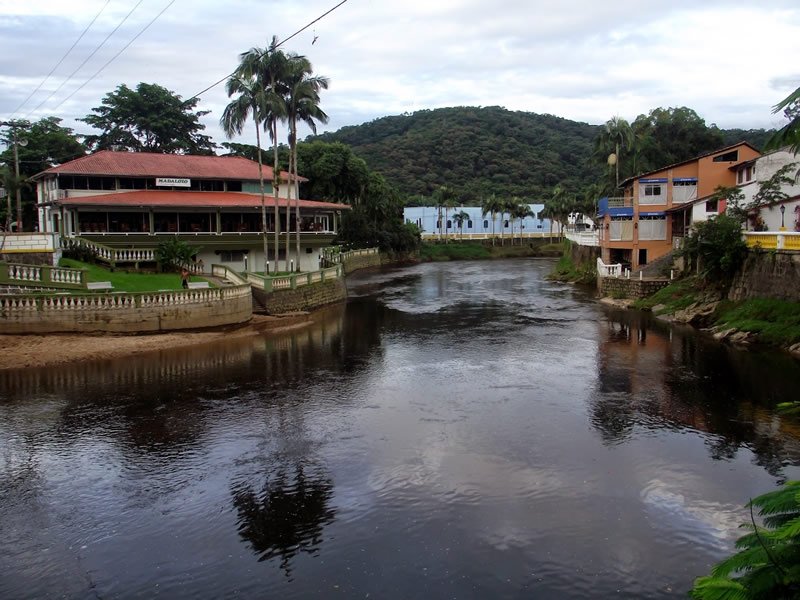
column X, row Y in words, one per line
column 462, row 430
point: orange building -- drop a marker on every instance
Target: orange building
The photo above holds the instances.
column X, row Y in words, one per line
column 637, row 227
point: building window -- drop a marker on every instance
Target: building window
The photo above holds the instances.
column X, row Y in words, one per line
column 469, row 224
column 486, row 224
column 732, row 156
column 749, row 173
column 740, row 176
column 439, row 224
column 652, row 189
column 449, row 224
column 231, row 256
column 506, row 225
column 712, row 206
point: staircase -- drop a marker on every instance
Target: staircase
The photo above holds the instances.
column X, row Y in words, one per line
column 659, row 268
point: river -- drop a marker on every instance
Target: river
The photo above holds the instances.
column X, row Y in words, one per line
column 457, row 430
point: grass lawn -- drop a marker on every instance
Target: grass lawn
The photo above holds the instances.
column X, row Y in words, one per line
column 676, row 296
column 129, row 282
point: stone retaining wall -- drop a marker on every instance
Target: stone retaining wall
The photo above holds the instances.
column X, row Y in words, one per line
column 308, row 297
column 617, row 287
column 354, row 263
column 768, row 275
column 126, row 313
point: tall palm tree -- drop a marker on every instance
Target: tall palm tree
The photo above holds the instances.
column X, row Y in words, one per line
column 459, row 217
column 615, row 135
column 522, row 211
column 267, row 68
column 491, row 205
column 302, row 105
column 249, row 102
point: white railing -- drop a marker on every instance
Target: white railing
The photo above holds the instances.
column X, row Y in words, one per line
column 773, row 240
column 227, row 274
column 604, row 270
column 296, row 280
column 487, row 236
column 583, row 238
column 110, row 255
column 41, row 275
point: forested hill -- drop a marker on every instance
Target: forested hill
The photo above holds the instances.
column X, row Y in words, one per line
column 475, row 151
column 481, row 151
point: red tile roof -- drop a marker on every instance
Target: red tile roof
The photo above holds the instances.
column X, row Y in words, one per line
column 172, row 199
column 146, row 164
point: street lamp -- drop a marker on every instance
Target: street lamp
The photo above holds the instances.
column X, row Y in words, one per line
column 17, row 142
column 783, row 211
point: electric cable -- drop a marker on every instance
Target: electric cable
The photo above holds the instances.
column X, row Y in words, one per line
column 113, row 58
column 61, row 60
column 85, row 60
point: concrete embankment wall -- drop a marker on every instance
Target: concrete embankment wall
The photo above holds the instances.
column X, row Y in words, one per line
column 617, row 287
column 768, row 275
column 584, row 254
column 126, row 313
column 364, row 261
column 308, row 297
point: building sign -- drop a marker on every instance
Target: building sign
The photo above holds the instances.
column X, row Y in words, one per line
column 173, row 182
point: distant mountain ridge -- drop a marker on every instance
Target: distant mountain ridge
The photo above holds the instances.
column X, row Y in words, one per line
column 477, row 151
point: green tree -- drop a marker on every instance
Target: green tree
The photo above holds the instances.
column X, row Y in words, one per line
column 789, row 134
column 491, row 205
column 334, row 173
column 150, row 118
column 249, row 103
column 615, row 138
column 717, row 249
column 522, row 210
column 767, row 563
column 459, row 218
column 302, row 105
column 173, row 254
column 41, row 145
column 267, row 68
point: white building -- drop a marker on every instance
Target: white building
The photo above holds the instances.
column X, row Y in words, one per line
column 429, row 218
column 753, row 173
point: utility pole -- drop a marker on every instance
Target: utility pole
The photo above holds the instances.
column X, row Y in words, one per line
column 13, row 126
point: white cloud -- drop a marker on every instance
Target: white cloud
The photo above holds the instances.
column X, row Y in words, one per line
column 730, row 61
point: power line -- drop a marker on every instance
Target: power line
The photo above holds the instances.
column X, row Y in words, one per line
column 61, row 60
column 299, row 31
column 121, row 23
column 113, row 58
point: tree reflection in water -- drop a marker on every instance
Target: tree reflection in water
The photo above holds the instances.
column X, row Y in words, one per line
column 288, row 515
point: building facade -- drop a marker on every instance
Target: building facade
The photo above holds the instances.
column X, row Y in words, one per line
column 213, row 203
column 772, row 216
column 429, row 219
column 657, row 207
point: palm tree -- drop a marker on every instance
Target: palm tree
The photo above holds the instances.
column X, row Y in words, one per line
column 459, row 218
column 522, row 211
column 616, row 135
column 302, row 104
column 249, row 102
column 491, row 205
column 267, row 69
column 446, row 199
column 790, row 133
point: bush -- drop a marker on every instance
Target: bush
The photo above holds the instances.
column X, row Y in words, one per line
column 173, row 253
column 717, row 246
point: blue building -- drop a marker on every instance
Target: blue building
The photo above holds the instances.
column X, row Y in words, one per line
column 427, row 219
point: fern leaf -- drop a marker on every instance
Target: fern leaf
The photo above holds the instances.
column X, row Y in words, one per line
column 716, row 588
column 784, row 500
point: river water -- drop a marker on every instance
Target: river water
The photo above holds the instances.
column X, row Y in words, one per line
column 457, row 430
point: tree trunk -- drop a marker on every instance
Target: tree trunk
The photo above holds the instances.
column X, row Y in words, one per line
column 276, row 177
column 297, row 200
column 263, row 203
column 288, row 268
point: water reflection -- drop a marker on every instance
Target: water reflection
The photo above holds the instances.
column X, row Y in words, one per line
column 652, row 375
column 288, row 514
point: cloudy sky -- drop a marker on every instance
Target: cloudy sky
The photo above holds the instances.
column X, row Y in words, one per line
column 580, row 59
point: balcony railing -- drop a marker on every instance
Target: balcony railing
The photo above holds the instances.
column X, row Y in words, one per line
column 773, row 240
column 583, row 238
column 620, row 202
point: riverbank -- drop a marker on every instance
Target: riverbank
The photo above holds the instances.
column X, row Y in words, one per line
column 757, row 321
column 21, row 351
column 479, row 250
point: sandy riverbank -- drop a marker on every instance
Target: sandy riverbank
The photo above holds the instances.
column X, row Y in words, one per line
column 19, row 351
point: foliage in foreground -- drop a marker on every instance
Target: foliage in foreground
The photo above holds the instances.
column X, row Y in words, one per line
column 767, row 564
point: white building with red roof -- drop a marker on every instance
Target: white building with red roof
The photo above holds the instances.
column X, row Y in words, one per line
column 137, row 199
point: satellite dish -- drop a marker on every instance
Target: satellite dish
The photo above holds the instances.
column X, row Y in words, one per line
column 612, row 159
